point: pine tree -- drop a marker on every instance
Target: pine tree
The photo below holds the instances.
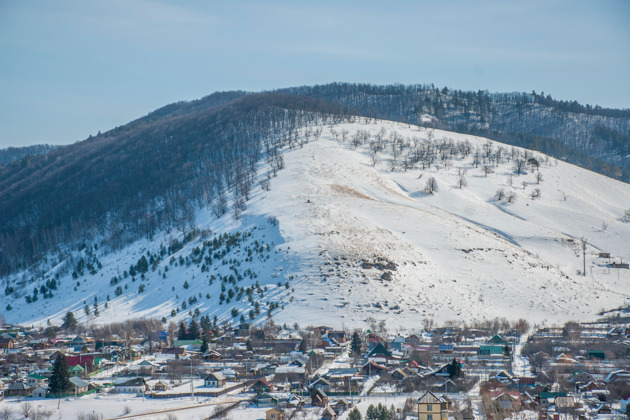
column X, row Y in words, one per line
column 193, row 330
column 204, row 347
column 454, row 369
column 182, row 334
column 69, row 321
column 355, row 414
column 59, row 382
column 356, row 346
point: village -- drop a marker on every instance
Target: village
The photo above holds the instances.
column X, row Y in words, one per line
column 495, row 370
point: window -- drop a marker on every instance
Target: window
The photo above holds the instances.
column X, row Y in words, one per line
column 429, row 408
column 273, row 416
column 429, row 416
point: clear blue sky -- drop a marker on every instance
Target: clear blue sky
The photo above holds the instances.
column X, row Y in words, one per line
column 71, row 68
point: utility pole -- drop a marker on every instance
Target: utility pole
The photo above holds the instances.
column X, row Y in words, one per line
column 583, row 256
column 192, row 387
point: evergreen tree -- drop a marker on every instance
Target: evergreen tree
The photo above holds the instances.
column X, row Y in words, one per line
column 302, row 346
column 193, row 330
column 69, row 321
column 355, row 414
column 143, row 265
column 454, row 369
column 356, row 345
column 59, row 382
column 204, row 346
column 182, row 334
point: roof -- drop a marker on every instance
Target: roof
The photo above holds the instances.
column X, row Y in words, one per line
column 18, row 385
column 131, row 382
column 78, row 382
column 379, row 349
column 218, row 376
column 564, row 402
column 429, row 398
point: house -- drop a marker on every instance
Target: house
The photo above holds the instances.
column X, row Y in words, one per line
column 130, row 386
column 379, row 351
column 467, row 414
column 431, row 407
column 214, row 380
column 322, row 384
column 338, row 336
column 399, row 374
column 212, row 355
column 497, row 339
column 40, row 391
column 7, row 343
column 341, row 406
column 33, row 380
column 177, row 351
column 372, row 368
column 79, row 386
column 160, row 386
column 490, row 350
column 508, row 401
column 328, row 413
column 243, row 329
column 618, row 376
column 85, row 361
column 274, row 414
column 262, row 385
column 564, row 404
column 319, row 398
column 17, row 389
column 76, row 370
column 603, row 409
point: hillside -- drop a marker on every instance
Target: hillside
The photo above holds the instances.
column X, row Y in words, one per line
column 339, row 228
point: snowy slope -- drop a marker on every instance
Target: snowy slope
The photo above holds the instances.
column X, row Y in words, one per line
column 338, row 240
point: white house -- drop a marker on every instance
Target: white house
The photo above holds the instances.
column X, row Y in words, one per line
column 130, row 386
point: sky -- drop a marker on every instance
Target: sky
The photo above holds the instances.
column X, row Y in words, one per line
column 71, row 68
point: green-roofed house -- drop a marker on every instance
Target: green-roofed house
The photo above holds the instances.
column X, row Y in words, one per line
column 490, row 350
column 497, row 339
column 189, row 344
column 33, row 380
column 76, row 370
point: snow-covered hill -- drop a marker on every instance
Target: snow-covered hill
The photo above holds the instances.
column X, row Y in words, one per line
column 347, row 232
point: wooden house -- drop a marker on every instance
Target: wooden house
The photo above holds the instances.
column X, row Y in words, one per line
column 432, row 407
column 262, row 385
column 319, row 398
column 214, row 380
column 274, row 413
column 328, row 413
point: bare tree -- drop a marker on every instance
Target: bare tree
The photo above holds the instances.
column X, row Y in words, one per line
column 500, row 194
column 511, row 197
column 6, row 412
column 487, row 169
column 539, row 177
column 519, row 166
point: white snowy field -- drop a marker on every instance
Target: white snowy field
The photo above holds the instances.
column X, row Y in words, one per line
column 456, row 254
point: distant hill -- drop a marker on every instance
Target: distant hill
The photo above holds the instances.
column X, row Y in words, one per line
column 13, row 154
column 342, row 221
column 155, row 172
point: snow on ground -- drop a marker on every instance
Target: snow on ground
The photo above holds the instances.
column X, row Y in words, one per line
column 458, row 254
